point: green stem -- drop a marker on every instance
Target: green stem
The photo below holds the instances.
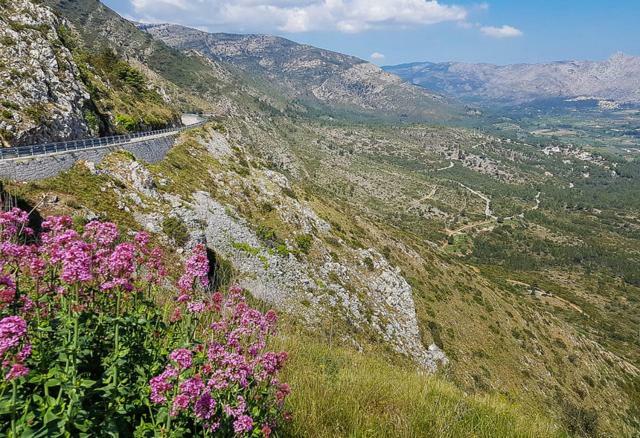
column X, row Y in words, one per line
column 14, row 385
column 117, row 340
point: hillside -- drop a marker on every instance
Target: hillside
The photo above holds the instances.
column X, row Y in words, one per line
column 63, row 92
column 510, row 268
column 615, row 79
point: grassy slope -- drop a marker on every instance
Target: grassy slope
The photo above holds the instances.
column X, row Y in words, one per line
column 339, row 392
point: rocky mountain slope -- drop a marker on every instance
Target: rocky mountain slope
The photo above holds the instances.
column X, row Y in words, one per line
column 54, row 89
column 616, row 79
column 513, row 263
column 308, row 74
column 42, row 95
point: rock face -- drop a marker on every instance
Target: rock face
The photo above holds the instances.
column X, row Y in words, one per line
column 361, row 288
column 41, row 94
column 307, row 74
column 616, row 79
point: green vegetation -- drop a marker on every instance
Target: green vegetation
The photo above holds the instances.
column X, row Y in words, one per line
column 176, row 230
column 337, row 392
column 304, row 243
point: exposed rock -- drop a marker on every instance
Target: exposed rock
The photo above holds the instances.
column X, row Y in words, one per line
column 41, row 94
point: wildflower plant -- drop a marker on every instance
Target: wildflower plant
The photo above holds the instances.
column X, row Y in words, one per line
column 86, row 350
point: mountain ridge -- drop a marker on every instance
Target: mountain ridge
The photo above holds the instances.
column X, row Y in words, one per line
column 314, row 76
column 613, row 79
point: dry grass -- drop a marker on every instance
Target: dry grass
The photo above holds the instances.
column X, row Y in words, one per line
column 339, row 392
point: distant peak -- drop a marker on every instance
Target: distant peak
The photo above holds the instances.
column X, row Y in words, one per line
column 619, row 56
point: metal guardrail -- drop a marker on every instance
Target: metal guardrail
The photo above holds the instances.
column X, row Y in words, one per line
column 88, row 143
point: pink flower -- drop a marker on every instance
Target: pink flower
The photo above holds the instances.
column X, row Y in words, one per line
column 102, row 233
column 12, row 222
column 192, row 388
column 183, row 298
column 266, row 430
column 205, row 406
column 12, row 330
column 196, row 307
column 7, row 290
column 161, row 384
column 244, row 423
column 76, row 262
column 57, row 224
column 180, row 403
column 196, row 269
column 122, row 260
column 24, row 353
column 17, row 370
column 283, row 392
column 176, row 315
column 142, row 239
column 182, row 357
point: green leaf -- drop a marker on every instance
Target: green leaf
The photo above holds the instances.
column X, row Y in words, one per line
column 52, row 382
column 86, row 383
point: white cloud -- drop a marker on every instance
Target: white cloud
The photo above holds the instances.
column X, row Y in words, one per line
column 504, row 31
column 377, row 56
column 348, row 16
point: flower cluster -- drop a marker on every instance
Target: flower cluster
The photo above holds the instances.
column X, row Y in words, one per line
column 84, row 301
column 14, row 348
column 217, row 381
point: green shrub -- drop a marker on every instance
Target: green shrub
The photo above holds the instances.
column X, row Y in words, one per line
column 92, row 120
column 125, row 123
column 176, row 229
column 304, row 242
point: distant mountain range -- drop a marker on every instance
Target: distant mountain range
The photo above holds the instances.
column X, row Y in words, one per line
column 616, row 79
column 309, row 75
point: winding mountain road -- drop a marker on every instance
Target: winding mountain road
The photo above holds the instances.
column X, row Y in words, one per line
column 45, row 149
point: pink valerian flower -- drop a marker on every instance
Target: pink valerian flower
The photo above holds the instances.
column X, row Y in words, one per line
column 196, row 269
column 103, row 234
column 162, row 384
column 232, row 362
column 122, row 260
column 183, row 298
column 196, row 307
column 120, row 266
column 239, row 410
column 205, row 407
column 26, row 304
column 176, row 315
column 76, row 262
column 183, row 357
column 7, row 290
column 12, row 331
column 57, row 224
column 17, row 370
column 37, row 267
column 269, row 364
column 155, row 265
column 242, row 424
column 283, row 391
column 192, row 388
column 180, row 403
column 142, row 240
column 13, row 222
column 24, row 353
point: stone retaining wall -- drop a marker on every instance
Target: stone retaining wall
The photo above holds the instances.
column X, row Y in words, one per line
column 45, row 166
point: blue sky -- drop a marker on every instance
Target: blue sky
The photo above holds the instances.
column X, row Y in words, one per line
column 397, row 31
